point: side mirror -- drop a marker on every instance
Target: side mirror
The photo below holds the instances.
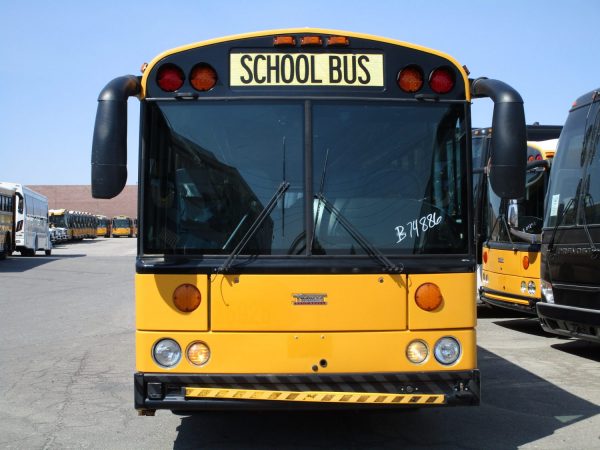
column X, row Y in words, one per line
column 509, row 137
column 109, row 147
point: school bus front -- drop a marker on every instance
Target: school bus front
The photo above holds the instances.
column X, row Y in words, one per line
column 305, row 234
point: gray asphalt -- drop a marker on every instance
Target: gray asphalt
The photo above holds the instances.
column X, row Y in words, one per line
column 67, row 363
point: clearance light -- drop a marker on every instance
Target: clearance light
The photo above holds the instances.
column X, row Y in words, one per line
column 525, row 262
column 311, row 40
column 417, row 352
column 166, row 353
column 203, row 77
column 410, row 79
column 340, row 41
column 442, row 80
column 186, row 298
column 447, row 350
column 428, row 297
column 538, row 157
column 170, row 77
column 198, row 353
column 485, row 256
column 530, row 158
column 284, row 41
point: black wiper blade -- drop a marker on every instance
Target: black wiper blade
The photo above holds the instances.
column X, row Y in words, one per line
column 253, row 227
column 559, row 221
column 369, row 248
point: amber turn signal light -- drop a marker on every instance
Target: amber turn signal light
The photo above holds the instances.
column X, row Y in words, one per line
column 203, row 77
column 187, row 298
column 410, row 79
column 428, row 296
column 525, row 262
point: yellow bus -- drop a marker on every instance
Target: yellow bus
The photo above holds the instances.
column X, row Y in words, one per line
column 103, row 228
column 7, row 221
column 121, row 226
column 306, row 220
column 78, row 224
column 510, row 275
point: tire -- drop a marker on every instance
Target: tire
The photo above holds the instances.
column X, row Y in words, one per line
column 5, row 248
column 48, row 252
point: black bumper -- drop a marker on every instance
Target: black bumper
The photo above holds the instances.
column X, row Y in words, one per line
column 168, row 391
column 570, row 321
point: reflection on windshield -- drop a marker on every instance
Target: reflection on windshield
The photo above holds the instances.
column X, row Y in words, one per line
column 396, row 172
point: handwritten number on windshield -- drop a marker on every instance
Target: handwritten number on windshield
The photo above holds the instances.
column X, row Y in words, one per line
column 417, row 226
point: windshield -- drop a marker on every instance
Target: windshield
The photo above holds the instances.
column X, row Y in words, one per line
column 567, row 172
column 57, row 221
column 394, row 173
column 121, row 223
column 531, row 208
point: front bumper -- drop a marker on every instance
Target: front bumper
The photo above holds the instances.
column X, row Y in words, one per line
column 509, row 301
column 570, row 321
column 195, row 392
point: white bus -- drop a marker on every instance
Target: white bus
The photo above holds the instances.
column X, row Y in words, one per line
column 31, row 221
column 7, row 221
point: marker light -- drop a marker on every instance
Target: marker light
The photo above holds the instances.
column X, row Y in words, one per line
column 447, row 350
column 198, row 353
column 410, row 79
column 203, row 77
column 525, row 262
column 186, row 297
column 428, row 297
column 442, row 80
column 284, row 41
column 417, row 352
column 341, row 41
column 166, row 353
column 170, row 77
column 311, row 40
column 485, row 256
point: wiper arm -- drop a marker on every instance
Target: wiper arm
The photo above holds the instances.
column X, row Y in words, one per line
column 559, row 222
column 369, row 248
column 595, row 250
column 253, row 227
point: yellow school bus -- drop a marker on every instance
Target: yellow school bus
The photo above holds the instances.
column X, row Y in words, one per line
column 7, row 220
column 510, row 274
column 305, row 220
column 121, row 226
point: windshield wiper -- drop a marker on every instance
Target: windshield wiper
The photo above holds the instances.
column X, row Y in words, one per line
column 587, row 195
column 372, row 251
column 254, row 226
column 559, row 221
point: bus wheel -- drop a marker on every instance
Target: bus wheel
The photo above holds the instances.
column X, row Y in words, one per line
column 5, row 248
column 48, row 252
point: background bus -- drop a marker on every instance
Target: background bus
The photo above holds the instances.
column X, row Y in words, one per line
column 570, row 304
column 306, row 232
column 31, row 221
column 7, row 221
column 103, row 228
column 79, row 225
column 511, row 254
column 121, row 226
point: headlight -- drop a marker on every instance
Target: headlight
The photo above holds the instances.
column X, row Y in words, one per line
column 523, row 286
column 547, row 291
column 166, row 353
column 531, row 288
column 417, row 352
column 447, row 350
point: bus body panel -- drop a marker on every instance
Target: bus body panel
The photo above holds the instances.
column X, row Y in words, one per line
column 308, row 302
column 155, row 308
column 300, row 352
column 454, row 312
column 504, row 274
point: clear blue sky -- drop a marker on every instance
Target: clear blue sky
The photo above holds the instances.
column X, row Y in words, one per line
column 57, row 56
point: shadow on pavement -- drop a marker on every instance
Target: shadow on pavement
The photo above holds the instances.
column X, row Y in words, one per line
column 578, row 347
column 16, row 263
column 518, row 407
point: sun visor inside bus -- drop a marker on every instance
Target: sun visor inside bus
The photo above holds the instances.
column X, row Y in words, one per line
column 109, row 147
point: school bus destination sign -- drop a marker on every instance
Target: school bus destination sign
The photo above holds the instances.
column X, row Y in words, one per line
column 306, row 69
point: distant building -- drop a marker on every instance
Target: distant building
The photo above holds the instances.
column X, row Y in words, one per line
column 79, row 198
